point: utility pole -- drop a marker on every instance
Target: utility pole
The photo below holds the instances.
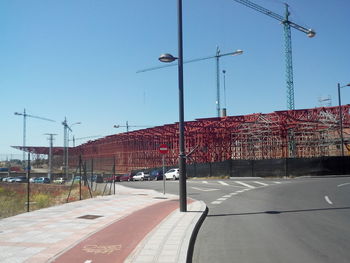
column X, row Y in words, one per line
column 50, row 153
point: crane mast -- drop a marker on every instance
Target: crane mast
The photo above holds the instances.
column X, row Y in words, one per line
column 287, row 24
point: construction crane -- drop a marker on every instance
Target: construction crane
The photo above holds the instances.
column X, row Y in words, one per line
column 83, row 138
column 25, row 115
column 217, row 57
column 128, row 126
column 287, row 24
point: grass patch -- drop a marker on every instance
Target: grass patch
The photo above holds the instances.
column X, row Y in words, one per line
column 13, row 197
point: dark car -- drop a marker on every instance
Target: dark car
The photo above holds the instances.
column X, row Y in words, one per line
column 156, row 174
column 97, row 178
column 42, row 180
column 126, row 177
column 115, row 178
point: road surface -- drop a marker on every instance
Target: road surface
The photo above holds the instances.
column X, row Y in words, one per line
column 270, row 220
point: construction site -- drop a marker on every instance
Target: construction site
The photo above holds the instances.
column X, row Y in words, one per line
column 303, row 134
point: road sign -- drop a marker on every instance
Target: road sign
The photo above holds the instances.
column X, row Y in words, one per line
column 163, row 149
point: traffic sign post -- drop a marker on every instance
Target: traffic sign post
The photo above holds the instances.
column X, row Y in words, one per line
column 163, row 149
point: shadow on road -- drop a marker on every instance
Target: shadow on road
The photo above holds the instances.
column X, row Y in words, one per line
column 282, row 211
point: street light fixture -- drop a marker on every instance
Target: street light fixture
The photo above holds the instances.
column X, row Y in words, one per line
column 182, row 157
column 341, row 118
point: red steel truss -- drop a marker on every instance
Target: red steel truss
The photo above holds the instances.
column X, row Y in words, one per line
column 281, row 134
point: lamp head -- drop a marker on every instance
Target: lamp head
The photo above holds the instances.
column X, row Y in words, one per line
column 311, row 33
column 167, row 58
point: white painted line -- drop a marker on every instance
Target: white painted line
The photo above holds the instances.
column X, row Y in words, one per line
column 233, row 194
column 328, row 200
column 277, row 182
column 343, row 184
column 246, row 185
column 204, row 182
column 204, row 189
column 216, row 202
column 240, row 191
column 223, row 183
column 227, row 196
column 222, row 199
column 88, row 261
column 263, row 184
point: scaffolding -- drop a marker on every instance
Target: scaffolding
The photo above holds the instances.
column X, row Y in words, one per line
column 302, row 133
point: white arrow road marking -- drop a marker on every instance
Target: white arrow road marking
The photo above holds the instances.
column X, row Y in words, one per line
column 246, row 185
column 328, row 200
column 223, row 183
column 343, row 184
column 263, row 184
column 204, row 189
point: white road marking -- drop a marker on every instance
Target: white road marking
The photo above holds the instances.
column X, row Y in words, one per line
column 277, row 182
column 88, row 261
column 246, row 185
column 240, row 191
column 263, row 184
column 227, row 196
column 223, row 183
column 328, row 200
column 204, row 189
column 204, row 182
column 343, row 184
column 221, row 199
column 216, row 202
column 233, row 194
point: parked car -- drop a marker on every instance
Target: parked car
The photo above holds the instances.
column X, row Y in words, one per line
column 172, row 174
column 126, row 177
column 115, row 178
column 97, row 178
column 156, row 174
column 6, row 178
column 42, row 180
column 21, row 179
column 59, row 180
column 140, row 176
column 11, row 179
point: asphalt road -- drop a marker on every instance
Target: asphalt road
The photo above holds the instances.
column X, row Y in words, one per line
column 266, row 220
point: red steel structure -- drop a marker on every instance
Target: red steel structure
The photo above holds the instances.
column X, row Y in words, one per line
column 281, row 134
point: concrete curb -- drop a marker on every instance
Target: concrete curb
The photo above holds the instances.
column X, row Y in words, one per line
column 171, row 240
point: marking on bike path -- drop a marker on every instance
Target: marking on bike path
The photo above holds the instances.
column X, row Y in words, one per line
column 328, row 200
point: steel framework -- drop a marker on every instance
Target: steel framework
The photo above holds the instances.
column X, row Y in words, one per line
column 282, row 134
column 302, row 133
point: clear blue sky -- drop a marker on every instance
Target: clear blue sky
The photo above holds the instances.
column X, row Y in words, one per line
column 78, row 59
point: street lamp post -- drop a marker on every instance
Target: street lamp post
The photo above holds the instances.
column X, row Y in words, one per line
column 66, row 129
column 341, row 119
column 182, row 156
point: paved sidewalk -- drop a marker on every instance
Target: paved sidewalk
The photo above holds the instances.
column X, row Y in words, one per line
column 132, row 226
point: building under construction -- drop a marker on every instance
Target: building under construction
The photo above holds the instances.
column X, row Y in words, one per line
column 305, row 133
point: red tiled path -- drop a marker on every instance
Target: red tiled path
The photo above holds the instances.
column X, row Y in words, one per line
column 115, row 242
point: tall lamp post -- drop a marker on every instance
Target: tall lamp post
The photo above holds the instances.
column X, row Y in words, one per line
column 66, row 129
column 182, row 157
column 341, row 119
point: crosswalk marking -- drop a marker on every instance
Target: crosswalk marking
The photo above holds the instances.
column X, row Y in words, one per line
column 244, row 184
column 223, row 183
column 263, row 184
column 204, row 189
